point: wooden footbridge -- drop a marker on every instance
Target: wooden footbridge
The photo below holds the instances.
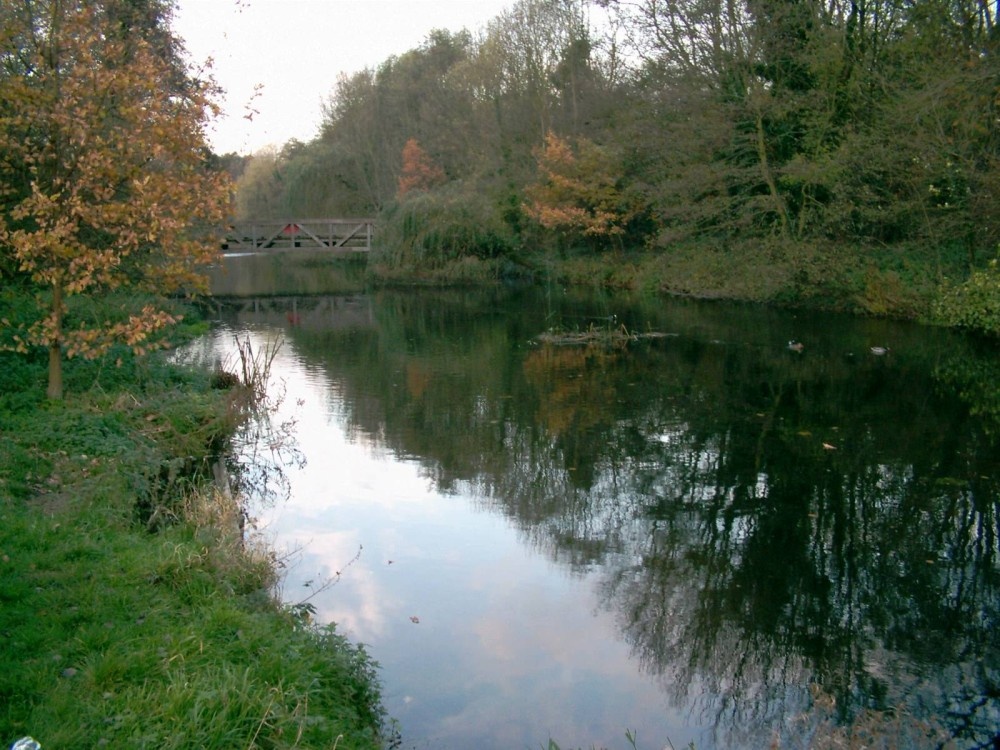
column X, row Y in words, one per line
column 344, row 235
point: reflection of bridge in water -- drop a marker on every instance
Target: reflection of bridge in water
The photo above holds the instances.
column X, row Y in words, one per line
column 345, row 235
column 327, row 312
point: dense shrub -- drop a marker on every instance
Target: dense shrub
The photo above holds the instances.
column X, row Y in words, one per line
column 974, row 304
column 432, row 229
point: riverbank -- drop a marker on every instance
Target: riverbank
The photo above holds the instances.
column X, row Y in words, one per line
column 916, row 284
column 133, row 612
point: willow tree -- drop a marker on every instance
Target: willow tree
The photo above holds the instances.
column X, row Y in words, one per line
column 106, row 182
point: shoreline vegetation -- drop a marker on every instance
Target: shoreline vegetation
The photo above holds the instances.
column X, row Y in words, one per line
column 836, row 284
column 134, row 609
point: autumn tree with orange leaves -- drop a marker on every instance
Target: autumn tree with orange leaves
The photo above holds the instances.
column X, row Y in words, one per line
column 576, row 192
column 419, row 172
column 104, row 180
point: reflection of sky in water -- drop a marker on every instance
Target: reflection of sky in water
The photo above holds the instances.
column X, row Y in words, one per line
column 509, row 649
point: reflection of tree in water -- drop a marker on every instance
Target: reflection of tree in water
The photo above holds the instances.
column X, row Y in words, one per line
column 749, row 557
column 753, row 543
column 761, row 521
column 751, row 605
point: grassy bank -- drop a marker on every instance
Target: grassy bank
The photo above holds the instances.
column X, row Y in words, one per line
column 132, row 613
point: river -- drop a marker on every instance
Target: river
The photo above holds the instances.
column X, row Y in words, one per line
column 677, row 527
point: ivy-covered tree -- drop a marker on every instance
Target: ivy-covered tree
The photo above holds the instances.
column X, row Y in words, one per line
column 105, row 174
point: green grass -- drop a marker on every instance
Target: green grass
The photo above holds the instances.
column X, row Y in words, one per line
column 113, row 635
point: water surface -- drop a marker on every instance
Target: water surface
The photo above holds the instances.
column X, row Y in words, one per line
column 700, row 536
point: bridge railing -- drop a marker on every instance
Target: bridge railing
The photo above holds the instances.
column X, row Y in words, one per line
column 333, row 234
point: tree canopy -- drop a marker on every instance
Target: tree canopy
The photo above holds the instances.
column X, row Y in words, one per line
column 107, row 184
column 851, row 147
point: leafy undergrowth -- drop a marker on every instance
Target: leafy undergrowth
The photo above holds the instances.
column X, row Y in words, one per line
column 119, row 632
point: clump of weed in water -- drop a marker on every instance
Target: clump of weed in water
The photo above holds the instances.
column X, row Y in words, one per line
column 254, row 370
column 262, row 446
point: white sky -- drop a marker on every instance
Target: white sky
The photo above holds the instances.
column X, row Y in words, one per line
column 295, row 49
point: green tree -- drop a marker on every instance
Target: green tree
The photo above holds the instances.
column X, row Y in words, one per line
column 839, row 125
column 109, row 185
column 371, row 115
column 260, row 188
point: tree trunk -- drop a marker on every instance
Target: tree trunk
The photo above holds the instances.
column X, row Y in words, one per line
column 765, row 168
column 55, row 390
